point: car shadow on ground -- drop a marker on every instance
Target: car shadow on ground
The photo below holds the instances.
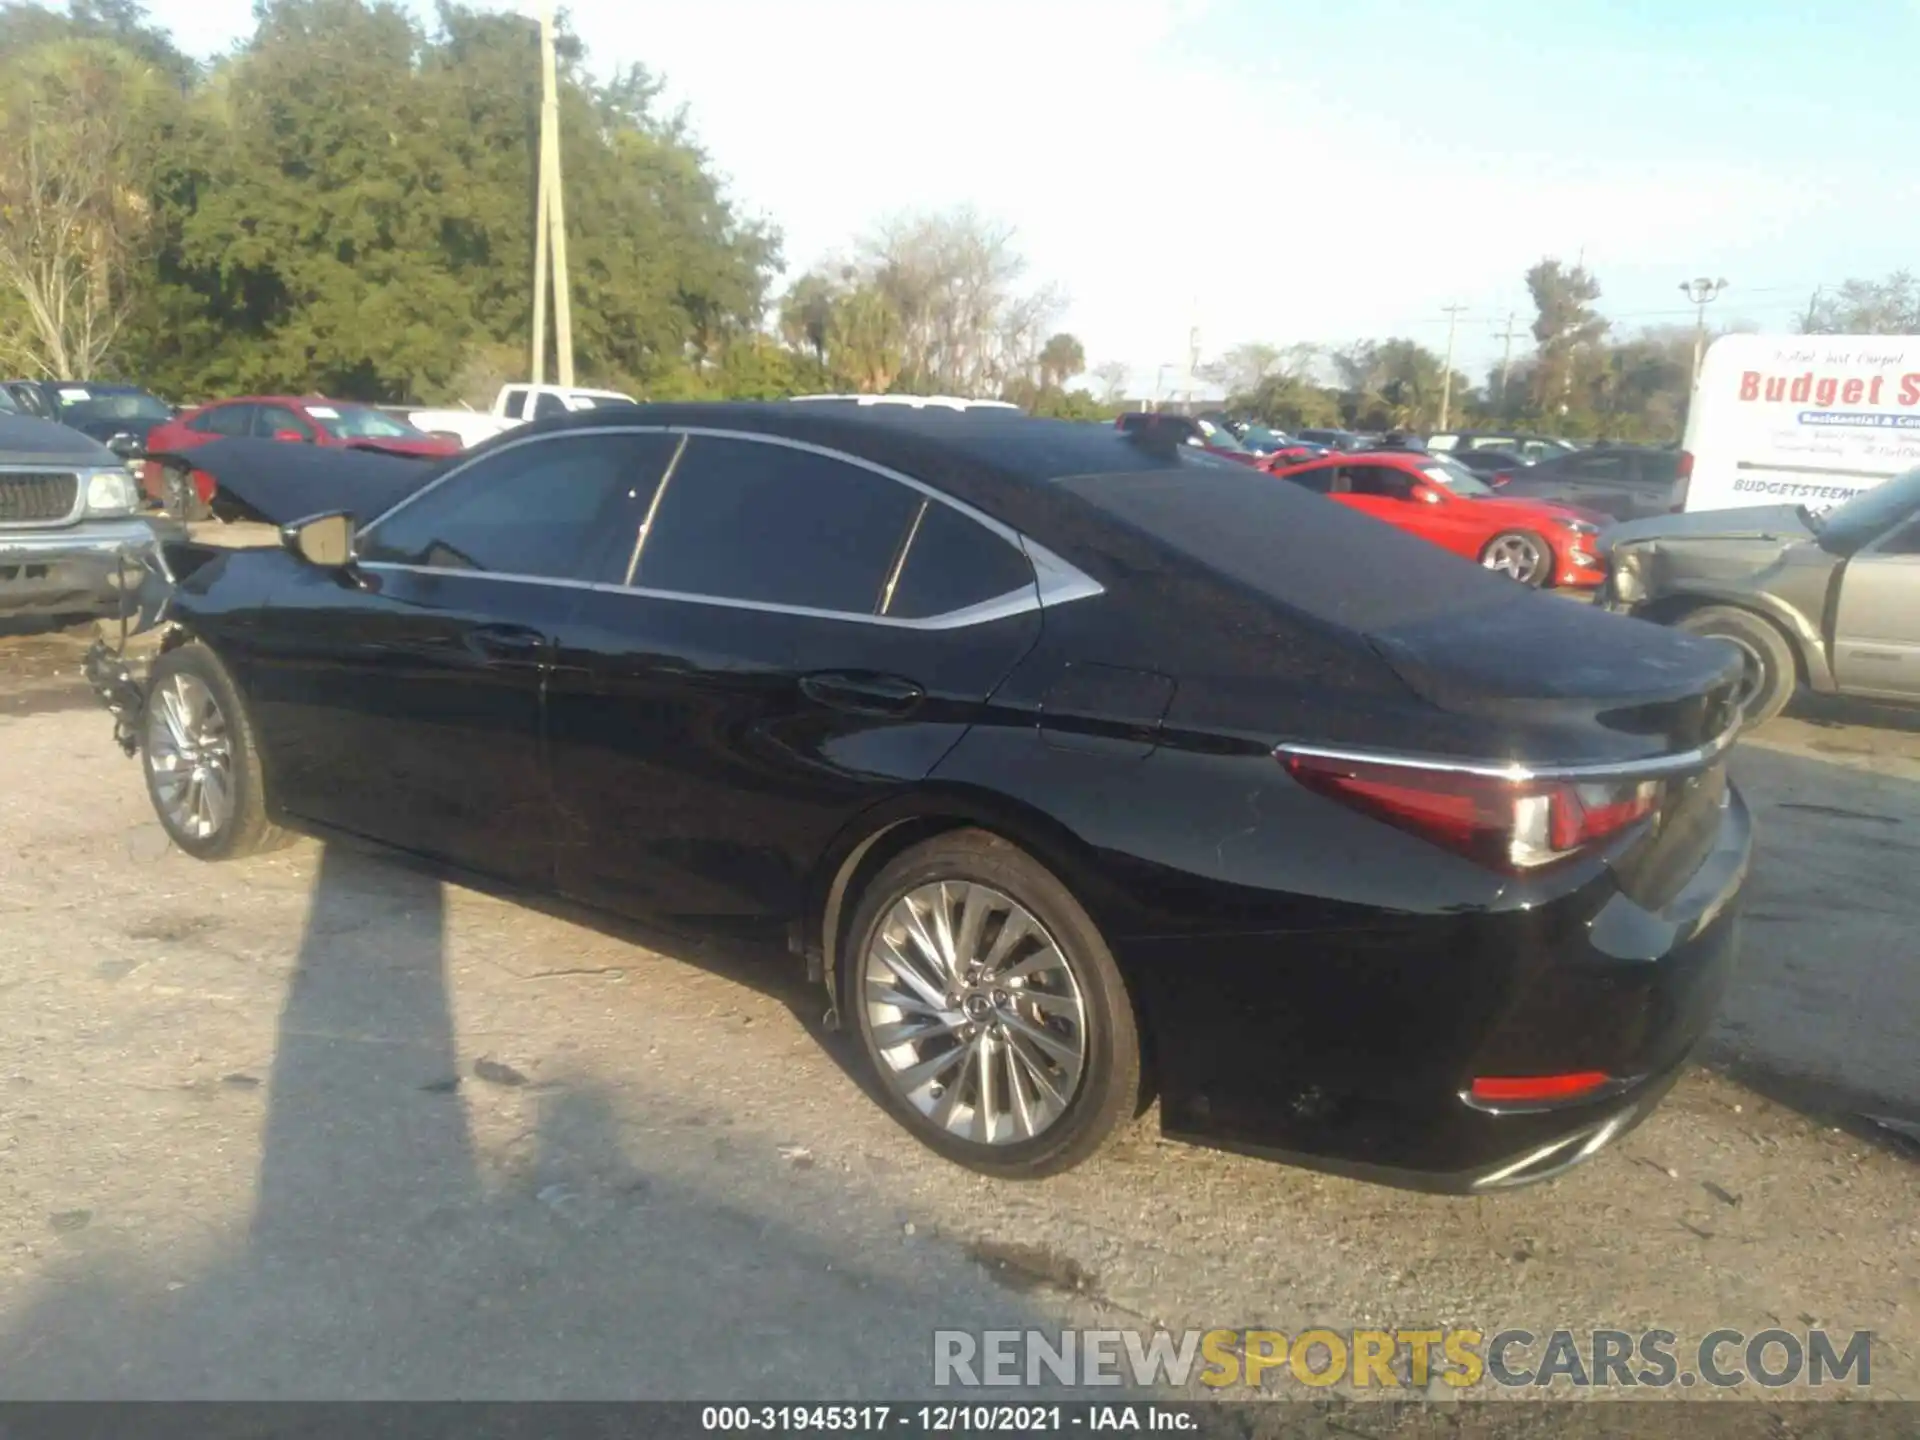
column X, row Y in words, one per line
column 1834, row 712
column 1823, row 1013
column 385, row 1256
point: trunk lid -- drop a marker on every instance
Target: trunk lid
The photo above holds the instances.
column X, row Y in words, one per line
column 1633, row 689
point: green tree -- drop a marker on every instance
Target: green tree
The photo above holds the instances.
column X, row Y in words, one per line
column 1061, row 358
column 1868, row 307
column 1566, row 328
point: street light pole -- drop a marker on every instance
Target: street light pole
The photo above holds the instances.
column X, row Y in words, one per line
column 1702, row 292
column 553, row 192
column 1453, row 312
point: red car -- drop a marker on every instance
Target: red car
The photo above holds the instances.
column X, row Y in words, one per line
column 308, row 420
column 1537, row 542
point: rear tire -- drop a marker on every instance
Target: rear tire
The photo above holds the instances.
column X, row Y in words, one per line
column 179, row 497
column 201, row 761
column 1520, row 555
column 1042, row 1021
column 1772, row 672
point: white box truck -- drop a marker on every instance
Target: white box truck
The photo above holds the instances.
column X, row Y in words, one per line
column 1807, row 420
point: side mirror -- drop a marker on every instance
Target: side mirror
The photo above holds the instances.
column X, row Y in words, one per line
column 325, row 541
column 1426, row 495
column 291, row 437
column 1501, row 479
column 125, row 445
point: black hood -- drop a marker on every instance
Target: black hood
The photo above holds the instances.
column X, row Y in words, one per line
column 279, row 483
column 25, row 440
column 1756, row 522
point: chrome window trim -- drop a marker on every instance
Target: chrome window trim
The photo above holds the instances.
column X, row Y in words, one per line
column 1055, row 582
column 653, row 510
column 900, row 558
column 1001, row 607
column 1518, row 773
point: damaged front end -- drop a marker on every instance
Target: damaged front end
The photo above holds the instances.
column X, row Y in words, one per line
column 118, row 661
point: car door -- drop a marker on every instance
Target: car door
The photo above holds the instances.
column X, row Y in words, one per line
column 404, row 703
column 795, row 636
column 1393, row 495
column 1876, row 648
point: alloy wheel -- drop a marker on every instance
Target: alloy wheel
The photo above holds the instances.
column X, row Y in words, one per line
column 190, row 756
column 1753, row 671
column 1514, row 556
column 974, row 1012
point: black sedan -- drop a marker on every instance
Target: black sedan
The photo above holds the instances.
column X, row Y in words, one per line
column 1626, row 482
column 1081, row 767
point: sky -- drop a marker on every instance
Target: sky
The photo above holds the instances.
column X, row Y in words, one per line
column 1290, row 170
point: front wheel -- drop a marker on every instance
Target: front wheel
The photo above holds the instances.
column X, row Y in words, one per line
column 1768, row 675
column 179, row 497
column 1519, row 555
column 991, row 1009
column 201, row 762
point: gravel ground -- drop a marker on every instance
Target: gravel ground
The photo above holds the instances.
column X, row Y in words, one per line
column 316, row 1125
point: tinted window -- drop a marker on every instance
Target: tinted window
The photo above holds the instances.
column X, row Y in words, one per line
column 549, row 508
column 1595, row 465
column 270, row 420
column 546, row 405
column 750, row 521
column 1320, row 480
column 1379, row 480
column 516, row 403
column 226, row 420
column 954, row 562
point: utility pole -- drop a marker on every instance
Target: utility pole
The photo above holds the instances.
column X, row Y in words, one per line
column 1509, row 335
column 550, row 240
column 1193, row 365
column 1813, row 309
column 1702, row 292
column 1453, row 314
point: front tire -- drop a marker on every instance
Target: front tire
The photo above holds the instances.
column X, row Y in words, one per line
column 1771, row 674
column 179, row 497
column 990, row 1008
column 201, row 761
column 1520, row 555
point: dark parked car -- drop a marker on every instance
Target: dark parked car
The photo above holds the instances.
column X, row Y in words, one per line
column 1493, row 466
column 1530, row 449
column 1831, row 599
column 1080, row 766
column 1195, row 430
column 121, row 416
column 1332, row 439
column 1627, row 482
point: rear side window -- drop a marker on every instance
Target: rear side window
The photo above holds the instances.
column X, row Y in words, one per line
column 226, row 420
column 954, row 562
column 550, row 509
column 744, row 520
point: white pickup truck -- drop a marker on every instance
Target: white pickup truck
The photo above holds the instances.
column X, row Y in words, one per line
column 514, row 405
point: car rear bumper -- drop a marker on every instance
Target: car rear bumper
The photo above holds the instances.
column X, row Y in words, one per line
column 93, row 566
column 1385, row 1094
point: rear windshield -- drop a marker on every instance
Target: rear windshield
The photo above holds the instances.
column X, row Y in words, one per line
column 1289, row 544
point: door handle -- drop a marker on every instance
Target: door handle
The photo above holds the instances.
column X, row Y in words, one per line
column 517, row 644
column 863, row 693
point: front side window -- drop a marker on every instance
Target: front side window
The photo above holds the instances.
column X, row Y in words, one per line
column 272, row 420
column 1378, row 480
column 746, row 520
column 952, row 563
column 362, row 422
column 546, row 509
column 547, row 405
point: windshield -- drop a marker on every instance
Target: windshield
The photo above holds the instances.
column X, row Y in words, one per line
column 1259, row 437
column 1218, row 437
column 1456, row 477
column 81, row 407
column 362, row 422
column 1863, row 519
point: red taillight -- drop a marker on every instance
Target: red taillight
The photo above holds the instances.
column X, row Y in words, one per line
column 203, row 485
column 1537, row 1089
column 1516, row 824
column 1686, row 465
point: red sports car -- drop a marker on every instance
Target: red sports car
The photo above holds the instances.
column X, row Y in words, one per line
column 1537, row 542
column 307, row 420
